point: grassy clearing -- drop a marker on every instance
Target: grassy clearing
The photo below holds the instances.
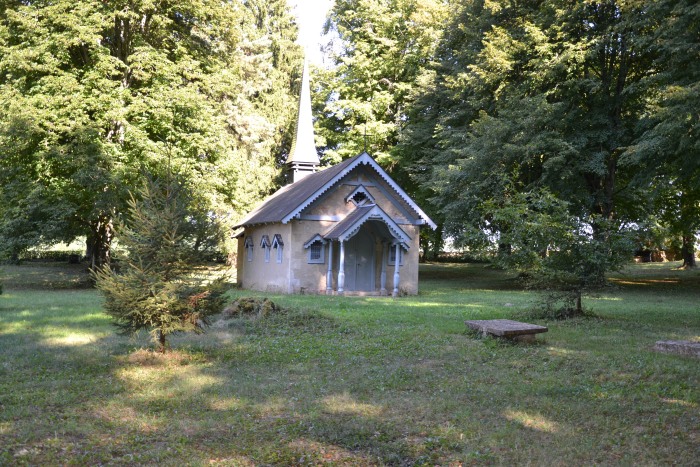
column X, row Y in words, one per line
column 364, row 380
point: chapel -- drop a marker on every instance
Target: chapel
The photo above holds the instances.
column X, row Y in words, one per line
column 345, row 229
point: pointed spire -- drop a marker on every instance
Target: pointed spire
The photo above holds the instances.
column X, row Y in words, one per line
column 303, row 159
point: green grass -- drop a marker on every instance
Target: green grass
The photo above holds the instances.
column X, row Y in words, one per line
column 363, row 380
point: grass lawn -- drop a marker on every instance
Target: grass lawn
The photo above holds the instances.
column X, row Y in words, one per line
column 355, row 380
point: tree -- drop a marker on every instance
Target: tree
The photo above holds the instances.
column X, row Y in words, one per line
column 554, row 253
column 95, row 93
column 668, row 146
column 530, row 96
column 154, row 288
column 382, row 46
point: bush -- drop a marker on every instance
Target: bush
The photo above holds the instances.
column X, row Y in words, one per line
column 68, row 256
column 250, row 306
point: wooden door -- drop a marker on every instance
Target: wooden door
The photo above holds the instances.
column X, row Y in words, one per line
column 359, row 263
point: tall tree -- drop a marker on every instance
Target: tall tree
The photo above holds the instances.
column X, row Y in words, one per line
column 669, row 144
column 536, row 94
column 98, row 92
column 382, row 47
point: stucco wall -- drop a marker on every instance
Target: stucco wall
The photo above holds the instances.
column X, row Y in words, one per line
column 307, row 277
column 257, row 274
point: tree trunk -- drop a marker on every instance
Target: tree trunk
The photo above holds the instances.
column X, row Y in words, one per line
column 424, row 242
column 99, row 242
column 437, row 243
column 161, row 340
column 688, row 215
column 579, row 306
column 14, row 258
column 688, row 252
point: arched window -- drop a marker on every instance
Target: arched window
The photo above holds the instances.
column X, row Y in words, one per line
column 249, row 248
column 265, row 245
column 278, row 245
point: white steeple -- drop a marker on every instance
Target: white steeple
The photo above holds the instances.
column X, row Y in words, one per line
column 303, row 158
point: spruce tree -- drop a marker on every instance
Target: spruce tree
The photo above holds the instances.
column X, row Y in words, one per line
column 155, row 288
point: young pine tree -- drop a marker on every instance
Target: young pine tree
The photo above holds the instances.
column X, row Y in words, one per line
column 155, row 288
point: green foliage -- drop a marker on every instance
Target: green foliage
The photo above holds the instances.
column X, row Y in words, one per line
column 668, row 145
column 560, row 255
column 383, row 45
column 154, row 288
column 97, row 93
column 570, row 98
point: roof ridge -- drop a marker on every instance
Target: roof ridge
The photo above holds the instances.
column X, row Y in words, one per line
column 306, row 191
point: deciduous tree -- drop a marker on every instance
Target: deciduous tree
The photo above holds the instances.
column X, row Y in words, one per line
column 94, row 93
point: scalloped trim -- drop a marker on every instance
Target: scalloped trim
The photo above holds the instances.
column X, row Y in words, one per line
column 366, row 159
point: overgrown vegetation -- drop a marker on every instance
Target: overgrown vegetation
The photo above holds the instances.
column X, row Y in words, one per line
column 358, row 380
column 251, row 306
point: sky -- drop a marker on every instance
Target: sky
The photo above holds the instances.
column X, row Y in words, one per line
column 311, row 15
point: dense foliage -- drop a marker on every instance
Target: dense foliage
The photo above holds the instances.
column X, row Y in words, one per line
column 96, row 93
column 593, row 103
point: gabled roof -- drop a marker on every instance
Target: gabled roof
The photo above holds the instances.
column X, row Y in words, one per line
column 314, row 239
column 348, row 227
column 290, row 200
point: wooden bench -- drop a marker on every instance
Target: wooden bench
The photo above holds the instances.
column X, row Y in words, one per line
column 687, row 348
column 507, row 328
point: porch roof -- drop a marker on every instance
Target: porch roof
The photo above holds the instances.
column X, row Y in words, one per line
column 348, row 227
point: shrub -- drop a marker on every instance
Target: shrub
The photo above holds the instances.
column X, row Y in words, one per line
column 156, row 288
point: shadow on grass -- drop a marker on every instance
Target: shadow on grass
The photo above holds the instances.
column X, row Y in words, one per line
column 344, row 381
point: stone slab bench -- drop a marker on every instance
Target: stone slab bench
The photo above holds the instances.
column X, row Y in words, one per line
column 691, row 349
column 507, row 328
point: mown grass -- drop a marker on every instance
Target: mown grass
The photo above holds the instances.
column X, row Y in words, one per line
column 358, row 380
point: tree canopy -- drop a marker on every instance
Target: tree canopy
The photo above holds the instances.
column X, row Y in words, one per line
column 98, row 93
column 590, row 105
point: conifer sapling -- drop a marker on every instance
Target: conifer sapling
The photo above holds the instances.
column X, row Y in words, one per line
column 155, row 288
